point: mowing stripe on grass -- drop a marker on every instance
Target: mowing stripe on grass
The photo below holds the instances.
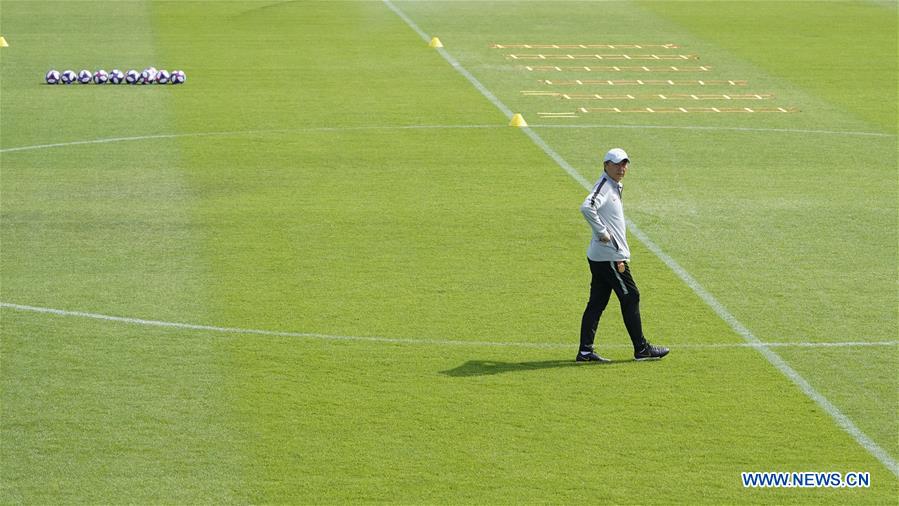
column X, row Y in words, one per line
column 395, row 340
column 842, row 420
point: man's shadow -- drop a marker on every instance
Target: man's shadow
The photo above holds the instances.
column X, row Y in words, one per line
column 491, row 367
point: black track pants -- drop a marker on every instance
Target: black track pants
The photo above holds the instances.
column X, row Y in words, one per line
column 606, row 279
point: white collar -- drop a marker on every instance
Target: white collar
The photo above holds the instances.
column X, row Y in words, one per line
column 609, row 178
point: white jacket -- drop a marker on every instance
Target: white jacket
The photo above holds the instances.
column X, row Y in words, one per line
column 603, row 211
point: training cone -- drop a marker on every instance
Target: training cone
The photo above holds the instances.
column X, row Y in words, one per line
column 435, row 42
column 3, row 42
column 518, row 121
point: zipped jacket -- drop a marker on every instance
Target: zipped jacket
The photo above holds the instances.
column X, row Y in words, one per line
column 604, row 213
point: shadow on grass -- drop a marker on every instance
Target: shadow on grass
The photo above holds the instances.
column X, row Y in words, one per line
column 490, row 367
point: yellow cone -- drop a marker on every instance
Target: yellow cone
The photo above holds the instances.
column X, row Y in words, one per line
column 435, row 42
column 3, row 42
column 518, row 121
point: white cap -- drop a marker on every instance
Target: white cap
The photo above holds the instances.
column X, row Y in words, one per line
column 615, row 155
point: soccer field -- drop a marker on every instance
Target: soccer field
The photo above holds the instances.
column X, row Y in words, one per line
column 326, row 270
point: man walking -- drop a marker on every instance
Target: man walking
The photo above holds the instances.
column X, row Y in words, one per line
column 608, row 256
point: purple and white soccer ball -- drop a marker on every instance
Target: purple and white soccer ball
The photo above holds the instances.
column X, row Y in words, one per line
column 52, row 77
column 68, row 77
column 116, row 76
column 132, row 76
column 178, row 77
column 100, row 77
column 85, row 76
column 163, row 77
column 148, row 75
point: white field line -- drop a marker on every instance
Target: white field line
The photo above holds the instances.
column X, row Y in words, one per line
column 237, row 133
column 842, row 420
column 241, row 132
column 410, row 341
column 723, row 129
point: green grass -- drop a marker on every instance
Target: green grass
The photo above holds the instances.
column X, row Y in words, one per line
column 822, row 54
column 317, row 206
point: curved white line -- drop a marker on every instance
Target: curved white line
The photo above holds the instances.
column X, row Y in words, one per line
column 426, row 127
column 240, row 132
column 426, row 341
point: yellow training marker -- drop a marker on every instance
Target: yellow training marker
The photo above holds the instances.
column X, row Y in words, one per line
column 3, row 42
column 518, row 121
column 435, row 43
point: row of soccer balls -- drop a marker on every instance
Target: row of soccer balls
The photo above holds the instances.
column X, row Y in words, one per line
column 115, row 76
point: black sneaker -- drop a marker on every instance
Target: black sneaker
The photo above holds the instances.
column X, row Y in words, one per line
column 590, row 357
column 650, row 352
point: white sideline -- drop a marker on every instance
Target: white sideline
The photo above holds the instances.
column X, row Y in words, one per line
column 238, row 132
column 724, row 129
column 424, row 341
column 135, row 138
column 842, row 420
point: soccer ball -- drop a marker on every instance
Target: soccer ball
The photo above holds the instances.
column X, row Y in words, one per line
column 85, row 76
column 116, row 76
column 148, row 76
column 132, row 77
column 68, row 77
column 163, row 77
column 178, row 76
column 52, row 77
column 101, row 76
